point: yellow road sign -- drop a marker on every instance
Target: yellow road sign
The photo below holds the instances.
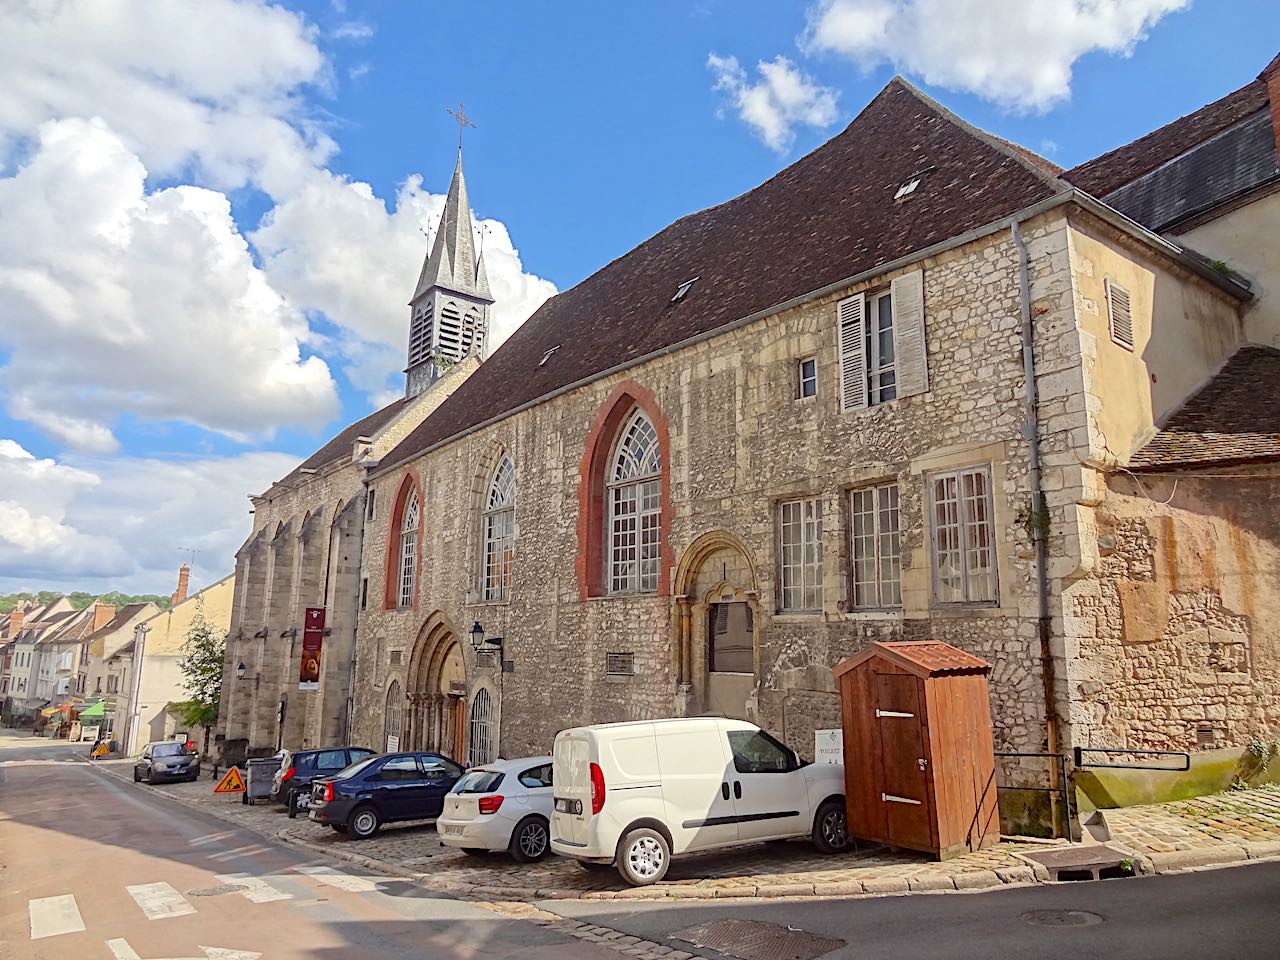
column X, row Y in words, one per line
column 101, row 750
column 231, row 783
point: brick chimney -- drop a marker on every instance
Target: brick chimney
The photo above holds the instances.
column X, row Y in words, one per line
column 184, row 575
column 15, row 622
column 1271, row 74
column 102, row 614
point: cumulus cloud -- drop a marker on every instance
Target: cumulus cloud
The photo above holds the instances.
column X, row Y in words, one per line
column 1015, row 53
column 781, row 98
column 117, row 300
column 122, row 522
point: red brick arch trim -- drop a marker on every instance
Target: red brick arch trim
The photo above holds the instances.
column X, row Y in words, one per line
column 592, row 509
column 391, row 562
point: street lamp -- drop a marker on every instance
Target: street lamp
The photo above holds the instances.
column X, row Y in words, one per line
column 240, row 671
column 479, row 641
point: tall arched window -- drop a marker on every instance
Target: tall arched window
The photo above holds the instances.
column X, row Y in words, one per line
column 634, row 538
column 395, row 707
column 409, row 547
column 499, row 522
column 484, row 742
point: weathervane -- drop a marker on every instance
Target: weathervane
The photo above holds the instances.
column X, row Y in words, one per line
column 463, row 121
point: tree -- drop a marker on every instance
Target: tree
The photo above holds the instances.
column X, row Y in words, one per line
column 201, row 666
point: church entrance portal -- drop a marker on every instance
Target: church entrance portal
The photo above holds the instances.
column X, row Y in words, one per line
column 437, row 692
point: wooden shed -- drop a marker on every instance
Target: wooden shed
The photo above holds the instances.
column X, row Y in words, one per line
column 918, row 750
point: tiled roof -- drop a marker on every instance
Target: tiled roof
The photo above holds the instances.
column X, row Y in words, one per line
column 935, row 656
column 340, row 446
column 123, row 616
column 827, row 217
column 1107, row 173
column 1235, row 418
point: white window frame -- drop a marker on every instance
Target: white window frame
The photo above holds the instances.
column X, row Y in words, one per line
column 498, row 526
column 877, row 370
column 410, row 521
column 801, row 379
column 800, row 555
column 633, row 491
column 875, row 534
column 958, row 538
column 483, row 745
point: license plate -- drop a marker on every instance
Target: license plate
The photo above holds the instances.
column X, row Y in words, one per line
column 453, row 830
column 302, row 801
column 565, row 805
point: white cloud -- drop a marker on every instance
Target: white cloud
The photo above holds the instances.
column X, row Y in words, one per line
column 1013, row 52
column 778, row 101
column 334, row 247
column 122, row 522
column 116, row 300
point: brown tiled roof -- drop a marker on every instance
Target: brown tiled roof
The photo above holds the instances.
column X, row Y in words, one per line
column 829, row 216
column 123, row 616
column 340, row 446
column 926, row 658
column 1101, row 175
column 1235, row 418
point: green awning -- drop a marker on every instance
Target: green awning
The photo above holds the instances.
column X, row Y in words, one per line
column 96, row 712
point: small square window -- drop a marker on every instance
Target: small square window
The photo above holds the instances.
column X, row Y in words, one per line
column 808, row 384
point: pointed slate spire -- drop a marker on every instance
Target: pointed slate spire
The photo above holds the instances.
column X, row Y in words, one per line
column 452, row 263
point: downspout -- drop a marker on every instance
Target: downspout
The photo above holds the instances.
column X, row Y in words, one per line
column 135, row 710
column 1039, row 523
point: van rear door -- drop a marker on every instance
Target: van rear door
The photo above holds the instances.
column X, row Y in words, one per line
column 571, row 779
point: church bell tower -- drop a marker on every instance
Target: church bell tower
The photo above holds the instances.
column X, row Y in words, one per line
column 449, row 312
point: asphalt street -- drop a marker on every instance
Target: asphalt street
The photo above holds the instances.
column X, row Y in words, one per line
column 90, row 868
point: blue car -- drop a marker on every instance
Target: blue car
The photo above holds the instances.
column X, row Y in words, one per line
column 383, row 789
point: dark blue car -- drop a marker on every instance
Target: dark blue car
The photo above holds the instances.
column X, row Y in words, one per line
column 383, row 789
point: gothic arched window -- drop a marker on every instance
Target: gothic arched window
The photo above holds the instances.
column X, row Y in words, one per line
column 409, row 522
column 395, row 707
column 499, row 525
column 633, row 547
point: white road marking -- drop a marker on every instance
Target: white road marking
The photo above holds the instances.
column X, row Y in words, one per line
column 343, row 881
column 160, row 900
column 210, row 838
column 121, row 950
column 252, row 850
column 222, row 953
column 53, row 916
column 259, row 891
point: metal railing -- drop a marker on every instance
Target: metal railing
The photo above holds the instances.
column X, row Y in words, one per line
column 1059, row 795
column 1128, row 752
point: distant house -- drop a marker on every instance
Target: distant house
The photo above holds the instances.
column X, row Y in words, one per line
column 104, row 673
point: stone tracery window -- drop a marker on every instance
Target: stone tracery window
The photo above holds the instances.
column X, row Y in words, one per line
column 634, row 496
column 395, row 706
column 499, row 523
column 409, row 547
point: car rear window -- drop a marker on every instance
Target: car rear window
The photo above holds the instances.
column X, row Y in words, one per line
column 355, row 769
column 478, row 781
column 169, row 749
column 304, row 762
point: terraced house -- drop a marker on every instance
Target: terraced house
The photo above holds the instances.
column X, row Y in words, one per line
column 921, row 383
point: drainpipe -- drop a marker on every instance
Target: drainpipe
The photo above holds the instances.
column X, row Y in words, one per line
column 135, row 710
column 1039, row 524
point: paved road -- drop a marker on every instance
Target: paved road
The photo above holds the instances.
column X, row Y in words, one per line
column 1229, row 913
column 90, row 868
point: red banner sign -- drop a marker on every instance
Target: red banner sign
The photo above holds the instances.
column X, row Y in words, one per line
column 312, row 641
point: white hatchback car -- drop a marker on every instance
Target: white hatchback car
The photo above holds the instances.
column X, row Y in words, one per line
column 504, row 805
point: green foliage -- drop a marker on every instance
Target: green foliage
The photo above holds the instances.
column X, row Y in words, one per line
column 201, row 663
column 79, row 599
column 194, row 713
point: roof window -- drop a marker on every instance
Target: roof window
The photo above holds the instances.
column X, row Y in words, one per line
column 683, row 289
column 909, row 186
column 547, row 356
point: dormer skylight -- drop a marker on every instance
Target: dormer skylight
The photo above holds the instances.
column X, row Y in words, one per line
column 909, row 187
column 683, row 289
column 547, row 356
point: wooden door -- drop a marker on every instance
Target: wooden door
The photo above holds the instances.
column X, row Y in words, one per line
column 459, row 736
column 905, row 789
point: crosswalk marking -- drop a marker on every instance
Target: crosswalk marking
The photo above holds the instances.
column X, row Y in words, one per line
column 160, row 900
column 252, row 850
column 53, row 916
column 257, row 889
column 343, row 881
column 210, row 838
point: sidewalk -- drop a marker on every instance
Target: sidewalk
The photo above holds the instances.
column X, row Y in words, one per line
column 1162, row 838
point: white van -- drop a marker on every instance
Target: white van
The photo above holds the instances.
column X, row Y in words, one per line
column 636, row 793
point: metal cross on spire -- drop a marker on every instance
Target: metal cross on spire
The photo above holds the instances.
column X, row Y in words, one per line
column 463, row 121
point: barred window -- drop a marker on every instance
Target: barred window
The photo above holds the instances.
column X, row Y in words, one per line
column 963, row 531
column 875, row 546
column 800, row 554
column 499, row 521
column 635, row 509
column 409, row 548
column 395, row 706
column 484, row 746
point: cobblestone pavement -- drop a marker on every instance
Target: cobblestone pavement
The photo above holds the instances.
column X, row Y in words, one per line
column 1220, row 828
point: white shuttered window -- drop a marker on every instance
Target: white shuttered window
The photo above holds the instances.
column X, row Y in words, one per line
column 881, row 344
column 800, row 555
column 963, row 532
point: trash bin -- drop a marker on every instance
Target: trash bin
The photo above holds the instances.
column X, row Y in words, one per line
column 260, row 772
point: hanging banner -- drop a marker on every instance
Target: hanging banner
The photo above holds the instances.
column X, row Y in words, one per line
column 312, row 641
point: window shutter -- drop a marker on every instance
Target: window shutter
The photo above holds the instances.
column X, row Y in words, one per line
column 911, row 360
column 853, row 364
column 1120, row 314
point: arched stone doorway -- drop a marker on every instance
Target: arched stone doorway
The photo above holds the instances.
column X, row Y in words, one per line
column 717, row 628
column 437, row 688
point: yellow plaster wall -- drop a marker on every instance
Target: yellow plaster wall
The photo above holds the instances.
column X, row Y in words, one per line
column 168, row 629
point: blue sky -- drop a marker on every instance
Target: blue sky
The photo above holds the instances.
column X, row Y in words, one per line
column 156, row 329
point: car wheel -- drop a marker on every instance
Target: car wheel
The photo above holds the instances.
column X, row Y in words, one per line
column 530, row 840
column 136, row 778
column 151, row 778
column 194, row 777
column 338, row 827
column 364, row 823
column 643, row 857
column 831, row 827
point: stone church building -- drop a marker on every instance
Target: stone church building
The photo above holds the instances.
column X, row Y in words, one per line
column 921, row 383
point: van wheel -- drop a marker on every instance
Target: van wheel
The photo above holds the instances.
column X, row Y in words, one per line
column 529, row 840
column 364, row 823
column 643, row 857
column 831, row 827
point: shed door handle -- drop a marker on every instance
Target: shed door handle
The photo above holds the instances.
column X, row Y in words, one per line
column 737, row 789
column 724, row 790
column 892, row 713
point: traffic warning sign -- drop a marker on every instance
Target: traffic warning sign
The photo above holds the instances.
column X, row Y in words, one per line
column 231, row 783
